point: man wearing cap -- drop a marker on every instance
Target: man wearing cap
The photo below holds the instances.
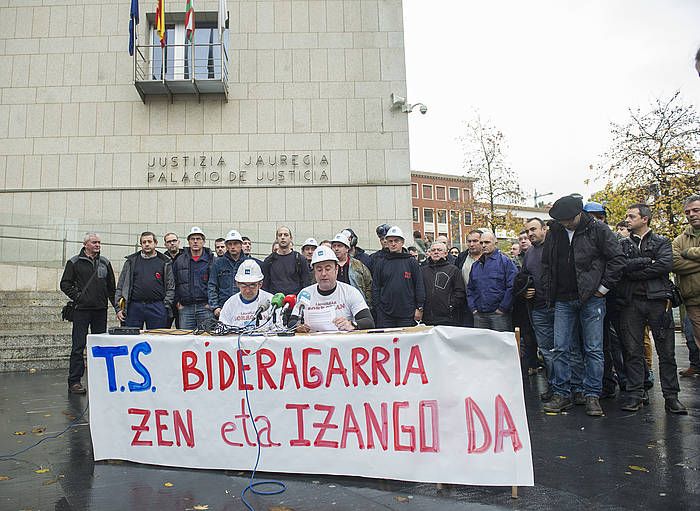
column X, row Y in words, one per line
column 239, row 310
column 222, row 283
column 285, row 270
column 398, row 293
column 147, row 286
column 382, row 252
column 581, row 262
column 490, row 289
column 307, row 250
column 192, row 270
column 596, row 210
column 350, row 270
column 329, row 304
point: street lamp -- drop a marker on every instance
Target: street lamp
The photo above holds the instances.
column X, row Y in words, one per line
column 538, row 196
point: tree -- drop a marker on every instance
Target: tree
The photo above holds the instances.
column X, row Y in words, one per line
column 654, row 157
column 485, row 161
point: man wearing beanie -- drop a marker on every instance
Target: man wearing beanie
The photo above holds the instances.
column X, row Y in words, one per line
column 581, row 262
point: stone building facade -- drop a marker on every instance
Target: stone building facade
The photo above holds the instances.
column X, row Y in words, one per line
column 304, row 135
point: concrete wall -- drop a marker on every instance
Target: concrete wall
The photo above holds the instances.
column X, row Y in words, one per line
column 306, row 77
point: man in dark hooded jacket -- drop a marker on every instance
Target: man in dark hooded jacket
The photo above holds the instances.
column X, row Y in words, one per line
column 445, row 295
column 398, row 294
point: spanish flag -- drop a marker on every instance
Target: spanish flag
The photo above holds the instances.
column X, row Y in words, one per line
column 160, row 21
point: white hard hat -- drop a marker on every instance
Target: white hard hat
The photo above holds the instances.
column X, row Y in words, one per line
column 310, row 242
column 234, row 235
column 395, row 231
column 249, row 271
column 323, row 254
column 196, row 230
column 341, row 237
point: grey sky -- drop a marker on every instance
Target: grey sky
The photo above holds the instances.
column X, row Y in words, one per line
column 550, row 74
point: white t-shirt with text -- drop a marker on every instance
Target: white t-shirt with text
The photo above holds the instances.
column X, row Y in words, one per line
column 344, row 302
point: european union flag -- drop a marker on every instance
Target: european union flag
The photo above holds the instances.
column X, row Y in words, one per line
column 132, row 24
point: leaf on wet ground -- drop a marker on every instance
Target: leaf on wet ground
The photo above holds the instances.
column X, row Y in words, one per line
column 49, row 482
column 42, row 470
column 401, row 498
column 38, row 429
column 20, row 433
column 5, row 478
column 280, row 508
column 200, row 507
column 562, row 457
column 638, row 468
column 168, row 485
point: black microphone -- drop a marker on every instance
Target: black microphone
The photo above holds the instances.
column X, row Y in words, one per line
column 264, row 305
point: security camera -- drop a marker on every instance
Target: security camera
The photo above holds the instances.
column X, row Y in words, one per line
column 423, row 109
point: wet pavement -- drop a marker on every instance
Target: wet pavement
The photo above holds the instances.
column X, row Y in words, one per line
column 645, row 460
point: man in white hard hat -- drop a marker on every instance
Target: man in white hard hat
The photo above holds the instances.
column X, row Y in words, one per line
column 307, row 250
column 222, row 284
column 192, row 270
column 330, row 305
column 239, row 310
column 350, row 270
column 398, row 293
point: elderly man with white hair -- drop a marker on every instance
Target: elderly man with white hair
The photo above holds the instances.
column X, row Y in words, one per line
column 444, row 289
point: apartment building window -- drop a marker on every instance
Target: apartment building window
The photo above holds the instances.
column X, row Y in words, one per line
column 414, row 190
column 428, row 217
column 415, row 216
column 454, row 194
column 442, row 216
column 467, row 218
column 466, row 194
column 440, row 193
column 428, row 192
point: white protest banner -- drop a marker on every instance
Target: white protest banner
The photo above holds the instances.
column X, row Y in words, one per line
column 439, row 404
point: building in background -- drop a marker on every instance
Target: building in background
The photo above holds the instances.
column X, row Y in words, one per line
column 442, row 204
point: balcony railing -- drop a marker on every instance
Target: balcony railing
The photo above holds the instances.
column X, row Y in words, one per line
column 187, row 69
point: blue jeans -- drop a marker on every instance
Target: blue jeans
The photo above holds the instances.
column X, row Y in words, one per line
column 191, row 316
column 155, row 315
column 543, row 324
column 588, row 317
column 493, row 321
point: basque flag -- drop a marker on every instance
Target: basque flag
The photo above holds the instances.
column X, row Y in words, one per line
column 132, row 24
column 189, row 20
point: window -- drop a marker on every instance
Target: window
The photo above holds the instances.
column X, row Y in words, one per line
column 427, row 191
column 442, row 216
column 182, row 58
column 414, row 190
column 440, row 193
column 428, row 218
column 466, row 194
column 467, row 218
column 443, row 234
column 415, row 216
column 454, row 218
column 454, row 194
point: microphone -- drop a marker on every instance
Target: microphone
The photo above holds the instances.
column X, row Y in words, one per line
column 277, row 301
column 289, row 302
column 304, row 300
column 262, row 307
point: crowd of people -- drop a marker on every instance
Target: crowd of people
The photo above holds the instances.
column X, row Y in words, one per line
column 587, row 299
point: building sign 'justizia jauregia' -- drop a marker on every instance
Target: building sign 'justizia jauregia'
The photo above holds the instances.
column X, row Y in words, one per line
column 281, row 168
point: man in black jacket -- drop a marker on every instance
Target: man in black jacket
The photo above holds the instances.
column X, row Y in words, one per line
column 88, row 280
column 445, row 294
column 286, row 271
column 191, row 271
column 398, row 294
column 644, row 294
column 147, row 285
column 581, row 262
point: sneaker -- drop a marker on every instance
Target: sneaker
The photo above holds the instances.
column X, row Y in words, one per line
column 76, row 388
column 632, row 405
column 691, row 371
column 557, row 404
column 579, row 398
column 546, row 396
column 675, row 406
column 593, row 406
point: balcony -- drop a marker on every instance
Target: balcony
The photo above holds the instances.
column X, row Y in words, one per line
column 187, row 70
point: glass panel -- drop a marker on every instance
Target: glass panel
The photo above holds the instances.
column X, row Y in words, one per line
column 157, row 71
column 207, row 53
column 414, row 190
column 427, row 192
column 467, row 218
column 415, row 215
column 454, row 194
column 440, row 192
column 442, row 216
column 428, row 216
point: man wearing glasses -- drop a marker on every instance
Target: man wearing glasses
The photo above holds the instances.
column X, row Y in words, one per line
column 239, row 309
column 172, row 246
